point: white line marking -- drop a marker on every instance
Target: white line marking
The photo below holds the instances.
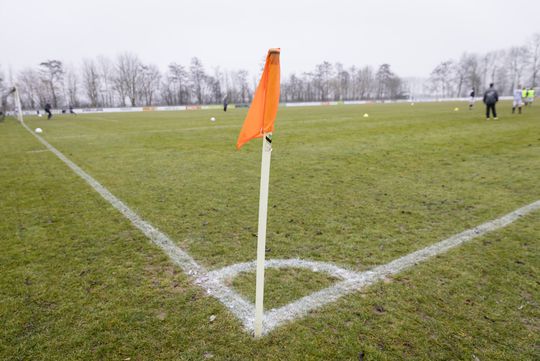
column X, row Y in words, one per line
column 230, row 272
column 213, row 282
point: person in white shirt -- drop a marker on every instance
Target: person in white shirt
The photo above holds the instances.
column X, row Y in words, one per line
column 518, row 100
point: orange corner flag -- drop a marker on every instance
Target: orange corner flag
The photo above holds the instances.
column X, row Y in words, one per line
column 263, row 109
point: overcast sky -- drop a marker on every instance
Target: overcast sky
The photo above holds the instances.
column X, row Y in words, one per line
column 413, row 36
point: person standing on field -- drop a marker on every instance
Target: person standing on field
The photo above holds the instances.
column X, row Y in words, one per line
column 48, row 110
column 531, row 96
column 525, row 96
column 518, row 100
column 471, row 101
column 491, row 97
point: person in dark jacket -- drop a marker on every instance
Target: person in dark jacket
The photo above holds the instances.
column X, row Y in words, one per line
column 491, row 97
column 48, row 110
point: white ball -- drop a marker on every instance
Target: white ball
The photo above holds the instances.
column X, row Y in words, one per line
column 212, row 119
column 366, row 115
column 39, row 115
column 39, row 130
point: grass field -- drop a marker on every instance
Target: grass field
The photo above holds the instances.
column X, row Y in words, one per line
column 79, row 282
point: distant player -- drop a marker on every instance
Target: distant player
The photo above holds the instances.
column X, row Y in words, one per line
column 71, row 110
column 531, row 96
column 471, row 101
column 225, row 103
column 525, row 96
column 48, row 110
column 518, row 100
column 491, row 97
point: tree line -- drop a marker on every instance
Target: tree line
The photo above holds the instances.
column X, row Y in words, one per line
column 506, row 68
column 127, row 81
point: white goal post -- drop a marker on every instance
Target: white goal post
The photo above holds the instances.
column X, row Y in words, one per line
column 17, row 109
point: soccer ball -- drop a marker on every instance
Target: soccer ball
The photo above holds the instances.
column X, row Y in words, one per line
column 366, row 115
column 40, row 115
column 212, row 119
column 39, row 130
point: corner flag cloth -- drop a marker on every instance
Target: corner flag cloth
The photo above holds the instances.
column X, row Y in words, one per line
column 263, row 109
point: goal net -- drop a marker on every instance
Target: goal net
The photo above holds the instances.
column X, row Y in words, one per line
column 10, row 103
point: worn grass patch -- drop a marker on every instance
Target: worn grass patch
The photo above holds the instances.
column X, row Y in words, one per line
column 282, row 286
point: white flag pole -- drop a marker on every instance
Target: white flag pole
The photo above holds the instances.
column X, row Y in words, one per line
column 261, row 233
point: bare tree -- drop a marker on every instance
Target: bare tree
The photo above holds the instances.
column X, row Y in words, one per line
column 502, row 79
column 394, row 87
column 72, row 87
column 487, row 62
column 177, row 84
column 293, row 89
column 460, row 73
column 323, row 75
column 353, row 88
column 218, row 87
column 197, row 77
column 106, row 76
column 31, row 89
column 469, row 66
column 516, row 61
column 241, row 82
column 441, row 78
column 365, row 82
column 91, row 81
column 52, row 73
column 310, row 91
column 534, row 51
column 227, row 85
column 384, row 78
column 499, row 73
column 128, row 70
column 149, row 80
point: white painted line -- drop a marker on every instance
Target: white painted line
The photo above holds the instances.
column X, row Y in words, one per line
column 214, row 282
column 230, row 272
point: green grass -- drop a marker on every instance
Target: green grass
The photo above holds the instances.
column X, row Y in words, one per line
column 79, row 282
column 283, row 285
